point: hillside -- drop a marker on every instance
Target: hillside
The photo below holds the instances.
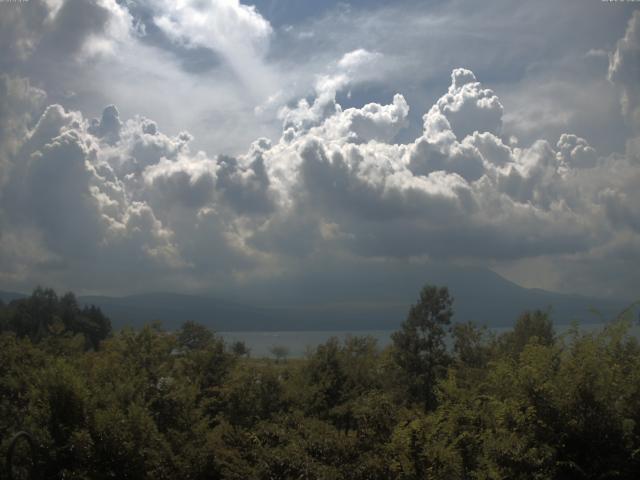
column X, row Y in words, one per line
column 350, row 303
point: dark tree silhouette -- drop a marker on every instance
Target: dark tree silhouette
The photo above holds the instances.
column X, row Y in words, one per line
column 419, row 347
column 44, row 313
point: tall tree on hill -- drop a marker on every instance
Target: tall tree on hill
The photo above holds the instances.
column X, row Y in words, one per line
column 419, row 348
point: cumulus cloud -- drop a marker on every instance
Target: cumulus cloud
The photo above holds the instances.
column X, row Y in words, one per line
column 575, row 152
column 353, row 67
column 62, row 189
column 216, row 25
column 106, row 187
column 185, row 181
column 361, row 125
column 108, row 127
column 336, row 184
column 468, row 107
column 244, row 183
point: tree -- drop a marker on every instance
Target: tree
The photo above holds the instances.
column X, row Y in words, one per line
column 195, row 336
column 4, row 317
column 326, row 378
column 90, row 321
column 240, row 349
column 44, row 314
column 32, row 316
column 96, row 325
column 469, row 345
column 280, row 352
column 530, row 327
column 252, row 393
column 419, row 348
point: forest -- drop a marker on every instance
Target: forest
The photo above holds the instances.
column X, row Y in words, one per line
column 444, row 401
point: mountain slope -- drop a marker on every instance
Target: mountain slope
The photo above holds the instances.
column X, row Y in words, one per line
column 344, row 301
column 7, row 297
column 479, row 295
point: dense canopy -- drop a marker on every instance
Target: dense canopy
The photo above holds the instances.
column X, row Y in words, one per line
column 153, row 404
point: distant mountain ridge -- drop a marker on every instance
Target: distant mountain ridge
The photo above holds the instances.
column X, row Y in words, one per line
column 480, row 295
column 7, row 297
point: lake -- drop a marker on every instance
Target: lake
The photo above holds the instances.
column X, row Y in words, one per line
column 298, row 343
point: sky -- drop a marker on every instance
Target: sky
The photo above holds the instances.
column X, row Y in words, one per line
column 212, row 146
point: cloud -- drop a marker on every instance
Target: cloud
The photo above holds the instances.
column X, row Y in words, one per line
column 624, row 71
column 185, row 181
column 74, row 22
column 19, row 103
column 234, row 30
column 216, row 25
column 20, row 30
column 624, row 68
column 361, row 125
column 353, row 67
column 108, row 127
column 107, row 189
column 575, row 152
column 244, row 183
column 468, row 107
column 440, row 195
column 67, row 29
column 127, row 197
column 356, row 59
column 61, row 188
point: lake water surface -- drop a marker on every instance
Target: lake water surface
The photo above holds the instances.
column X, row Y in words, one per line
column 298, row 343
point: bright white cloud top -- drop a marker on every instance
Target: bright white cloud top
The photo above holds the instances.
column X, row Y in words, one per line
column 88, row 202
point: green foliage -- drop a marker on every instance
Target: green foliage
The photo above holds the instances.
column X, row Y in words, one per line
column 338, row 376
column 470, row 347
column 194, row 336
column 530, row 327
column 279, row 352
column 44, row 314
column 152, row 404
column 419, row 347
column 240, row 349
column 253, row 393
